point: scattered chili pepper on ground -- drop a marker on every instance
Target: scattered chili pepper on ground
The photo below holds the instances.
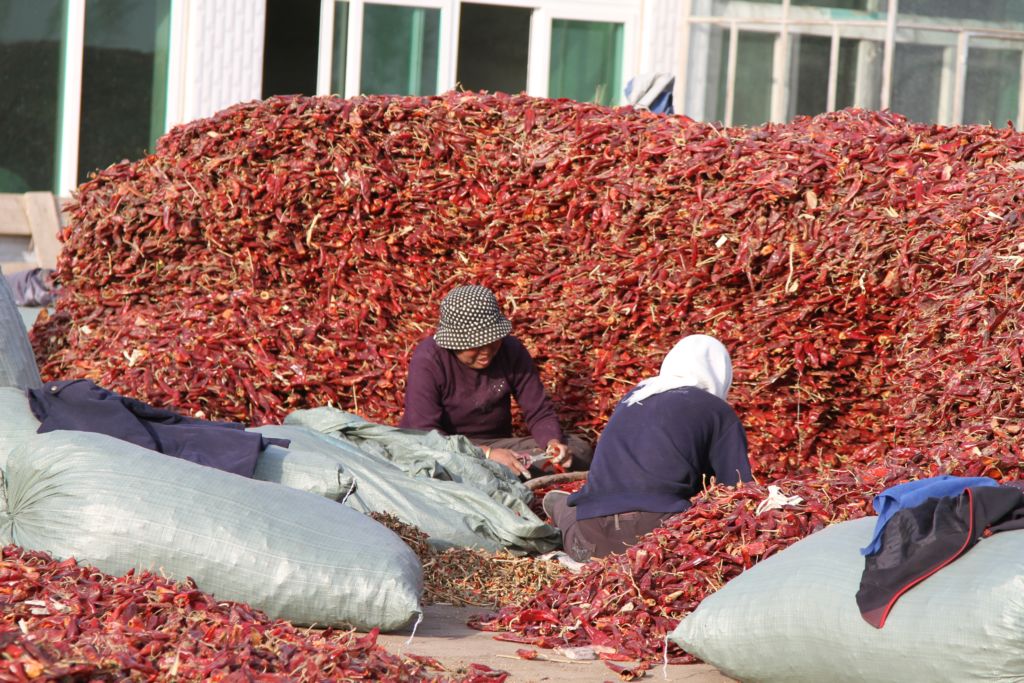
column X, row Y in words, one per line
column 65, row 621
column 465, row 576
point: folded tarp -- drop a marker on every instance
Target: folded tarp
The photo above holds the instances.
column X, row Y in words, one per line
column 294, row 555
column 418, row 453
column 452, row 513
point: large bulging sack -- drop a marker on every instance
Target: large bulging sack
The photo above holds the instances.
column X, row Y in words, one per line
column 17, row 423
column 794, row 617
column 294, row 555
column 304, row 471
column 17, row 361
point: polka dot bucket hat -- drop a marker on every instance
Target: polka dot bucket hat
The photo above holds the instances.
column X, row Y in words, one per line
column 470, row 317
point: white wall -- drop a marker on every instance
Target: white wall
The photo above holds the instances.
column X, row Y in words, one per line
column 216, row 56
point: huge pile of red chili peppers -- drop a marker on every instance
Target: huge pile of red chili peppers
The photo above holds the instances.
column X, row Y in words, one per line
column 864, row 271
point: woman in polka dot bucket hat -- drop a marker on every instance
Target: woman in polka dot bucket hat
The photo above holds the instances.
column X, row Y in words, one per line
column 463, row 377
column 470, row 318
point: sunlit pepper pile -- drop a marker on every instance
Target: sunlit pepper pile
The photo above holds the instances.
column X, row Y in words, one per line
column 864, row 271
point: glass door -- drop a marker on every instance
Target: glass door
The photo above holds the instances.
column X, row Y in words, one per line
column 31, row 48
column 494, row 47
column 124, row 80
column 586, row 61
column 290, row 48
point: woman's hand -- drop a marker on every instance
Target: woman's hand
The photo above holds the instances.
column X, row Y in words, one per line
column 558, row 452
column 509, row 459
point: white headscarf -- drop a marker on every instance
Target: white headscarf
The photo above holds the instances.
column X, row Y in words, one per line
column 695, row 361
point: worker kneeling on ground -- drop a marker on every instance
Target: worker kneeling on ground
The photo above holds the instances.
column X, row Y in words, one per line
column 663, row 441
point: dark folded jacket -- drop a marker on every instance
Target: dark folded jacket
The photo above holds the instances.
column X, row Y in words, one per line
column 82, row 405
column 921, row 540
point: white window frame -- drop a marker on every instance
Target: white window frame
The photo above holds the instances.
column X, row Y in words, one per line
column 70, row 115
column 354, row 50
column 71, row 98
column 625, row 12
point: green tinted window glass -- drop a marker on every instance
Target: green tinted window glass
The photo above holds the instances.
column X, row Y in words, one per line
column 811, row 60
column 706, row 90
column 860, row 74
column 813, row 54
column 494, row 45
column 1003, row 11
column 586, row 61
column 339, row 48
column 992, row 86
column 753, row 89
column 917, row 81
column 31, row 35
column 400, row 50
column 124, row 80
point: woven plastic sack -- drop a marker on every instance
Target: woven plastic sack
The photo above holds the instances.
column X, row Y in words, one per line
column 17, row 423
column 305, row 471
column 302, row 470
column 294, row 555
column 17, row 362
column 794, row 617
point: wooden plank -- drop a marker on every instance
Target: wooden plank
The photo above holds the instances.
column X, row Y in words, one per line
column 15, row 266
column 13, row 220
column 41, row 209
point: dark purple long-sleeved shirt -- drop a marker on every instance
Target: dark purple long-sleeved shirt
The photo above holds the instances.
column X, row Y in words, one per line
column 443, row 393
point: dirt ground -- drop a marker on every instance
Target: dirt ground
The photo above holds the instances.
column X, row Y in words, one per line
column 443, row 634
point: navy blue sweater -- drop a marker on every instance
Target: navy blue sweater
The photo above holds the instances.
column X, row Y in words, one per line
column 653, row 456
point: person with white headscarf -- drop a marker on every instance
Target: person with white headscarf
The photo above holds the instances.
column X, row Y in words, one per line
column 663, row 443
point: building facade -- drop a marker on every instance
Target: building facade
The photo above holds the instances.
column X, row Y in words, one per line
column 87, row 83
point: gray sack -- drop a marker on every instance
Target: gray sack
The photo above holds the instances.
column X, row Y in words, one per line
column 17, row 423
column 304, row 471
column 294, row 555
column 794, row 618
column 17, row 361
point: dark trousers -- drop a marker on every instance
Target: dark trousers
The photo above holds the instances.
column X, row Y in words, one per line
column 579, row 449
column 583, row 539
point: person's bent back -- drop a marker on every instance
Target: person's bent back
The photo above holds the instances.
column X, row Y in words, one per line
column 662, row 445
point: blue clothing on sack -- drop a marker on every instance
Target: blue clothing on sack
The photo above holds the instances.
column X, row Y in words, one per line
column 655, row 455
column 913, row 493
